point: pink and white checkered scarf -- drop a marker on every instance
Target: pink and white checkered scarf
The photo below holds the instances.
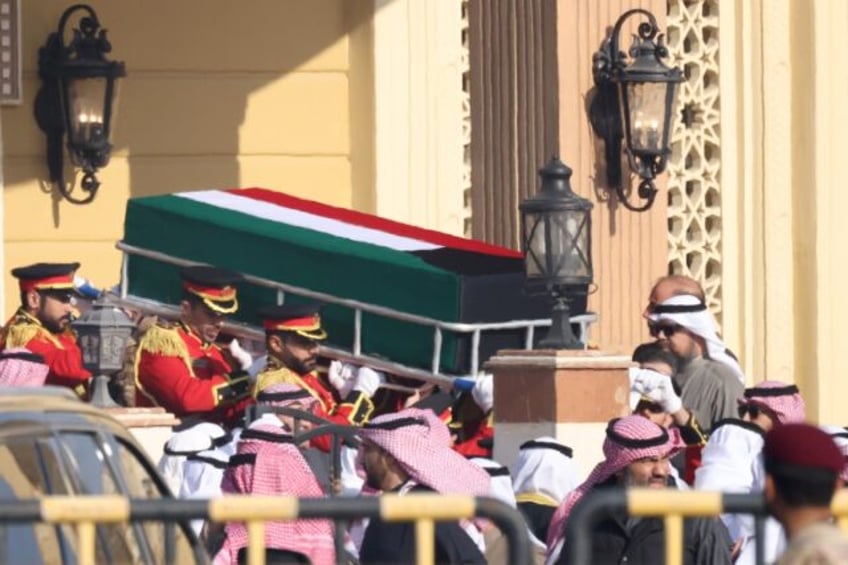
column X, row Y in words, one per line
column 22, row 367
column 781, row 398
column 421, row 444
column 267, row 462
column 285, row 394
column 627, row 440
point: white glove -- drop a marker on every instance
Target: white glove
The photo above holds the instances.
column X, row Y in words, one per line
column 657, row 388
column 484, row 391
column 240, row 355
column 342, row 377
column 368, row 381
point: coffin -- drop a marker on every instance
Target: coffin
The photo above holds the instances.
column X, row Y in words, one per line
column 343, row 253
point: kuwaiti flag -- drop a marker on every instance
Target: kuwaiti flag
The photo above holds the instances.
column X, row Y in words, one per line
column 333, row 250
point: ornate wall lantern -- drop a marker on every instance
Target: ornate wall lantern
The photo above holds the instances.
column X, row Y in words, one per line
column 556, row 227
column 634, row 102
column 76, row 99
column 103, row 333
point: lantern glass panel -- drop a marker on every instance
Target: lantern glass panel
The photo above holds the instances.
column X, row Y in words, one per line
column 113, row 343
column 557, row 244
column 646, row 109
column 89, row 342
column 670, row 93
column 570, row 242
column 535, row 227
column 86, row 105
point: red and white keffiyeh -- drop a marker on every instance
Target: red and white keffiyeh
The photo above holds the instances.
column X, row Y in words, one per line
column 267, row 462
column 627, row 440
column 22, row 367
column 286, row 394
column 421, row 444
column 783, row 399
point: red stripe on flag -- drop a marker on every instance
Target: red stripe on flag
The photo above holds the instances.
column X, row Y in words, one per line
column 373, row 222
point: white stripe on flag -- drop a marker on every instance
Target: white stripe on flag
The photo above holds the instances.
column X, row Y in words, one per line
column 276, row 213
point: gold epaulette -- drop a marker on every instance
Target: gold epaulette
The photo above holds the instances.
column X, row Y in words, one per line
column 163, row 339
column 21, row 331
column 159, row 338
column 276, row 375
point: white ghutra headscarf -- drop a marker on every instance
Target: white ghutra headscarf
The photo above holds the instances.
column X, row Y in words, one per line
column 688, row 311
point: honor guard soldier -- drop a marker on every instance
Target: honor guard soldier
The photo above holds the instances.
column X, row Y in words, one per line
column 180, row 367
column 42, row 323
column 473, row 420
column 292, row 335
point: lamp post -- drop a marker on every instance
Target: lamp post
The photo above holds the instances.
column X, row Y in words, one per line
column 635, row 102
column 556, row 226
column 76, row 99
column 103, row 333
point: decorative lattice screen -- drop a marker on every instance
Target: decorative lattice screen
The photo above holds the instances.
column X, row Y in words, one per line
column 10, row 52
column 694, row 188
column 465, row 63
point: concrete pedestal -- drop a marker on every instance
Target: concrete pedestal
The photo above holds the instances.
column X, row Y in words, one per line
column 569, row 395
column 151, row 427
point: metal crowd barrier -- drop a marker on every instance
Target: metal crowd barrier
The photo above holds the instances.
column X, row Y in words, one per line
column 438, row 326
column 673, row 506
column 85, row 512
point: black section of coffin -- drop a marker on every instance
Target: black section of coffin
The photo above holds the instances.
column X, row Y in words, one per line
column 502, row 297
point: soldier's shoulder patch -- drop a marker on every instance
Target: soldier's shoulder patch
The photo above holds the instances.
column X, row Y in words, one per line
column 22, row 330
column 162, row 339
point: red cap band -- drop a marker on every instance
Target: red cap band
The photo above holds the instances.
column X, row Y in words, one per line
column 308, row 323
column 225, row 294
column 60, row 282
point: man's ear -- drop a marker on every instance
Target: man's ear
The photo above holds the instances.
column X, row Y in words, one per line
column 33, row 299
column 275, row 345
column 185, row 309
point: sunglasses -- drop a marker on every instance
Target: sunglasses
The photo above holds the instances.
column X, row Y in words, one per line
column 63, row 297
column 667, row 330
column 753, row 410
column 301, row 341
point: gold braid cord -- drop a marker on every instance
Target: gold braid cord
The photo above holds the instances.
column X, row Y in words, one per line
column 159, row 338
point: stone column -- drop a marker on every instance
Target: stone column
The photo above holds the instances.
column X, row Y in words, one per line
column 569, row 395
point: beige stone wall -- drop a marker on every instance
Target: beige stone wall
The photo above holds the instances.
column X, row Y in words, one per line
column 418, row 128
column 629, row 249
column 219, row 94
column 784, row 80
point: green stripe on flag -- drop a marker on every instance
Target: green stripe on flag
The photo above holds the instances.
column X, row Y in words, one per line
column 192, row 230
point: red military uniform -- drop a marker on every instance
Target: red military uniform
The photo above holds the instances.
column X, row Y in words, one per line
column 354, row 411
column 42, row 324
column 60, row 351
column 303, row 322
column 479, row 444
column 176, row 370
